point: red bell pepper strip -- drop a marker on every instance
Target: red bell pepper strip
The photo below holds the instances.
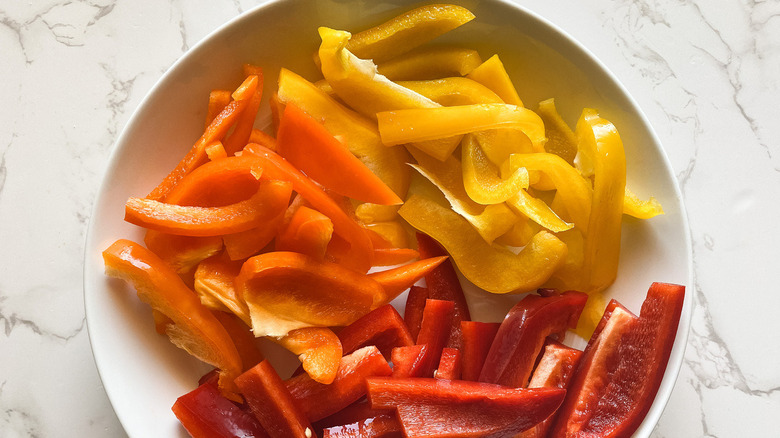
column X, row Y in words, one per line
column 318, row 400
column 270, row 198
column 522, row 333
column 214, row 132
column 449, row 365
column 621, row 370
column 356, row 412
column 410, row 361
column 383, row 328
column 308, row 145
column 205, row 413
column 413, row 311
column 272, row 404
column 554, row 370
column 443, row 284
column 477, row 339
column 457, row 408
column 378, row 426
column 396, row 280
column 435, row 330
column 194, row 329
column 361, row 250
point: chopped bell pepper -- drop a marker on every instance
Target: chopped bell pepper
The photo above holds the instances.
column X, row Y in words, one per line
column 384, row 425
column 309, row 146
column 271, row 198
column 481, row 177
column 413, row 310
column 493, row 75
column 561, row 140
column 522, row 334
column 477, row 339
column 247, row 243
column 286, row 291
column 410, row 125
column 640, row 209
column 205, row 413
column 182, row 253
column 358, row 133
column 383, row 328
column 457, row 408
column 443, row 284
column 239, row 137
column 195, row 329
column 354, row 413
column 410, row 360
column 494, row 269
column 318, row 349
column 538, row 211
column 428, row 63
column 214, row 279
column 318, row 400
column 308, row 232
column 453, row 91
column 407, row 31
column 218, row 100
column 271, row 403
column 435, row 331
column 622, row 368
column 449, row 365
column 396, row 280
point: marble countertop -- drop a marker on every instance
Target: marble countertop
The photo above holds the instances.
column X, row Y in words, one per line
column 704, row 71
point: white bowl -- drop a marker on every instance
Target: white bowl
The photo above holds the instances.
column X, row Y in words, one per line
column 144, row 374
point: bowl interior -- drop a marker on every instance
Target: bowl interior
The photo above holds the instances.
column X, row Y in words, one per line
column 144, row 374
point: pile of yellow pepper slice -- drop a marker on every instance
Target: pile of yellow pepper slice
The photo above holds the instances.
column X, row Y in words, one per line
column 518, row 199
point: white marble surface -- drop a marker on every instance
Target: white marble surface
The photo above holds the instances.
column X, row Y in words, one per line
column 705, row 72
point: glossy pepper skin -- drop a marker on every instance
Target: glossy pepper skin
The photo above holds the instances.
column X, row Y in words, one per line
column 627, row 360
column 383, row 327
column 523, row 332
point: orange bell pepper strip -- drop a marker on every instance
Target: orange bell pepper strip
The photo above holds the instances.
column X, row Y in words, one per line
column 218, row 100
column 359, row 255
column 306, row 143
column 182, row 253
column 247, row 243
column 245, row 123
column 396, row 280
column 214, row 283
column 286, row 291
column 318, row 349
column 243, row 339
column 194, row 329
column 308, row 232
column 217, row 183
column 261, row 138
column 215, row 131
column 271, row 197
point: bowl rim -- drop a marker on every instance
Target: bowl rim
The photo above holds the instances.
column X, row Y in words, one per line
column 674, row 365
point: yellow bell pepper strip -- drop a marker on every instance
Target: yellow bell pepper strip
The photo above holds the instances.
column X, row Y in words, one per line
column 602, row 240
column 640, row 209
column 520, row 234
column 538, row 211
column 286, row 291
column 392, row 231
column 318, row 349
column 494, row 269
column 490, row 222
column 271, row 198
column 214, row 279
column 408, row 31
column 410, row 125
column 357, row 82
column 195, row 329
column 373, row 213
column 215, row 131
column 561, row 140
column 430, row 63
column 453, row 91
column 493, row 75
column 359, row 255
column 572, row 189
column 481, row 177
column 358, row 133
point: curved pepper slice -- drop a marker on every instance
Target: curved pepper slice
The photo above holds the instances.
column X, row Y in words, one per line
column 640, row 209
column 561, row 140
column 182, row 253
column 383, row 328
column 395, row 281
column 522, row 334
column 194, row 329
column 430, row 63
column 214, row 283
column 271, row 198
column 407, row 31
column 318, row 349
column 308, row 232
column 286, row 291
column 538, row 211
column 309, row 146
column 481, row 179
column 410, row 125
column 494, row 269
column 601, row 249
column 219, row 182
column 571, row 188
column 452, row 91
column 493, row 75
